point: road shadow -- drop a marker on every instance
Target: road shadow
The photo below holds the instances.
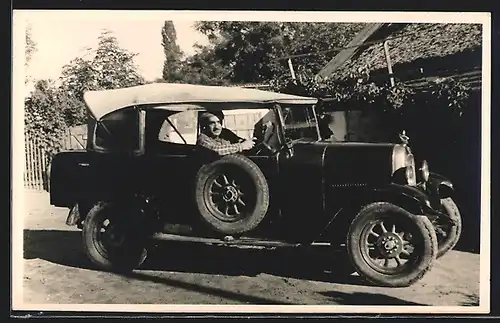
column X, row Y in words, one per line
column 317, row 264
column 361, row 298
column 56, row 246
column 207, row 290
column 65, row 248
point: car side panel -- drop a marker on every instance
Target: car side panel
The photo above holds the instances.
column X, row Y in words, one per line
column 302, row 194
column 87, row 176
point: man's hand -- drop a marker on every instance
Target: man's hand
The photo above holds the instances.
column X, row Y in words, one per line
column 247, row 144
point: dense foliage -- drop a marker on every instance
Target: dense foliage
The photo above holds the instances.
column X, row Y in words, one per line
column 107, row 67
column 441, row 103
column 254, row 50
column 249, row 52
column 52, row 108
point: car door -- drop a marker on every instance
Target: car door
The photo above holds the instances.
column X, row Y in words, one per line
column 167, row 164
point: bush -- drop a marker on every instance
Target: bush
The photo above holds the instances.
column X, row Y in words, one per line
column 426, row 115
column 48, row 113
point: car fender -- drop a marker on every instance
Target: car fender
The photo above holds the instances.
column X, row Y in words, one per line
column 439, row 186
column 413, row 200
column 408, row 197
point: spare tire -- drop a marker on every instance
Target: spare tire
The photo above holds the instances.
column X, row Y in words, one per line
column 232, row 194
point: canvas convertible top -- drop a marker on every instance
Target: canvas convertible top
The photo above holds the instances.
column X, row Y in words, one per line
column 191, row 96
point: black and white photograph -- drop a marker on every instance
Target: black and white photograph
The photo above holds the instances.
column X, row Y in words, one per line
column 251, row 162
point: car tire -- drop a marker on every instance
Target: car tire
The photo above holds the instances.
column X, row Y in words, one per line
column 373, row 246
column 448, row 234
column 232, row 194
column 125, row 257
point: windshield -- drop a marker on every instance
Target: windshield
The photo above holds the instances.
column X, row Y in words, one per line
column 300, row 123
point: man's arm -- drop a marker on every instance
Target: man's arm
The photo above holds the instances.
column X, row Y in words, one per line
column 218, row 147
column 230, row 136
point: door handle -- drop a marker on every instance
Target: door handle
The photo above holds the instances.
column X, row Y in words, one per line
column 84, row 164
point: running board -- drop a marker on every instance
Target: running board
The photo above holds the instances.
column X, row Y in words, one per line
column 226, row 241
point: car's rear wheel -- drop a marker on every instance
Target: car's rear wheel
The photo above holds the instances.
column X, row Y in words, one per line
column 390, row 246
column 448, row 233
column 112, row 238
column 232, row 194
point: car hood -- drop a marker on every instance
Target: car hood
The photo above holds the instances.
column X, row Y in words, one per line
column 348, row 164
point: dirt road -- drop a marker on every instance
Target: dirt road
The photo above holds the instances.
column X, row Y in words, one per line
column 56, row 271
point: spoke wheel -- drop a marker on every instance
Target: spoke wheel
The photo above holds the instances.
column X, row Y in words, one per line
column 229, row 195
column 391, row 247
column 232, row 194
column 111, row 239
column 448, row 233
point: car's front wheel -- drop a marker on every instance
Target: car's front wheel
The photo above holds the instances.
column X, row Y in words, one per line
column 391, row 247
column 112, row 238
column 448, row 233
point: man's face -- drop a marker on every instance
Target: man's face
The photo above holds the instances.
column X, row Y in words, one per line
column 213, row 127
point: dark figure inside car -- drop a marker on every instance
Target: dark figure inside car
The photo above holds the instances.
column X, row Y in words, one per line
column 325, row 123
column 218, row 139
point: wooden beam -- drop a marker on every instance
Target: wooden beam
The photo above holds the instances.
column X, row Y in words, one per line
column 351, row 49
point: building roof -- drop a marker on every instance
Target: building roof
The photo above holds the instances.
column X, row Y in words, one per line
column 414, row 43
column 352, row 48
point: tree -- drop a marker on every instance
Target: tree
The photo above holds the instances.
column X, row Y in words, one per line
column 252, row 49
column 30, row 46
column 108, row 67
column 44, row 118
column 172, row 52
column 30, row 49
column 204, row 68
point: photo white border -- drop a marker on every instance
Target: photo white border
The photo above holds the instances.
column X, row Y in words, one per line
column 18, row 198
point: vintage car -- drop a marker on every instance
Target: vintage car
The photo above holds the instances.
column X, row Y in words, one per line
column 142, row 176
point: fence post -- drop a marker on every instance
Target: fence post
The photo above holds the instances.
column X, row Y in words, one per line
column 45, row 182
column 30, row 164
column 25, row 170
column 39, row 165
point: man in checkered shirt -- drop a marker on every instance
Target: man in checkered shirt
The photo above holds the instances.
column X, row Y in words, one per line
column 218, row 139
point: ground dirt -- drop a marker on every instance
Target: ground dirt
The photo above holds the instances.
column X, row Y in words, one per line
column 56, row 271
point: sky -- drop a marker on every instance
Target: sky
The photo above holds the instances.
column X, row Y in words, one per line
column 61, row 38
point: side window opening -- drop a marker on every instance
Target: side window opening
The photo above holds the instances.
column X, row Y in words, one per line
column 118, row 131
column 179, row 128
column 245, row 122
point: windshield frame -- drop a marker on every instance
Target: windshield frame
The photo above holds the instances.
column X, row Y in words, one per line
column 315, row 124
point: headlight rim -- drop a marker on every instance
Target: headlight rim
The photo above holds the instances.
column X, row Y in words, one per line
column 424, row 170
column 410, row 173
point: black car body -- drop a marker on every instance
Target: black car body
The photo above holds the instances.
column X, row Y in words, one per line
column 314, row 189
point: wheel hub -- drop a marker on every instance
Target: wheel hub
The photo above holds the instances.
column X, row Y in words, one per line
column 390, row 244
column 115, row 238
column 230, row 194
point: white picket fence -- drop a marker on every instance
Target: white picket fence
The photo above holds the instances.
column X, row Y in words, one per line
column 37, row 159
column 36, row 165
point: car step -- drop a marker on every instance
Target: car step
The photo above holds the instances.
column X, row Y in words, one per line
column 226, row 241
